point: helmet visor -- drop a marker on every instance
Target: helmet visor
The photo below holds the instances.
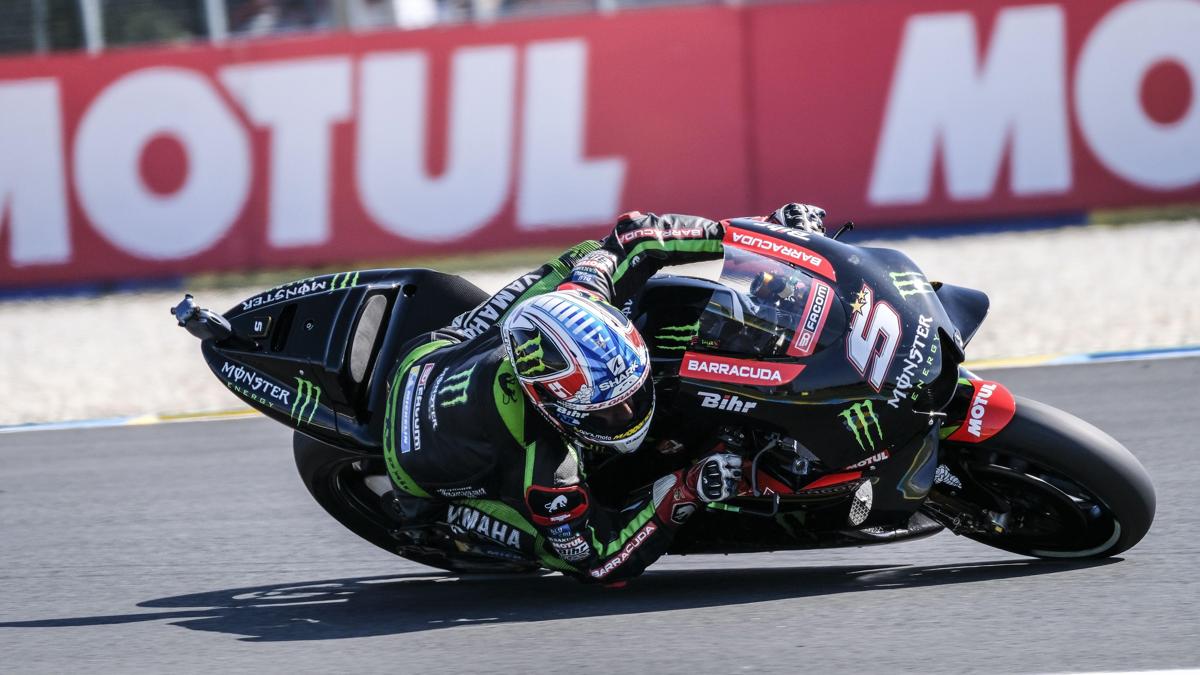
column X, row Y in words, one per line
column 617, row 421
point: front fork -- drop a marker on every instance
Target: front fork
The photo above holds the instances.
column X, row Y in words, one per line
column 978, row 410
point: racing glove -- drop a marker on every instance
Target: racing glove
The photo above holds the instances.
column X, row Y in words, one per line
column 800, row 216
column 717, row 477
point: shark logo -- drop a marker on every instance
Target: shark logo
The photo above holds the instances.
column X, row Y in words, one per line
column 306, row 393
column 910, row 283
column 556, row 503
column 858, row 419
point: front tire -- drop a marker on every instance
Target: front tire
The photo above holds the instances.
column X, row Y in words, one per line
column 1070, row 490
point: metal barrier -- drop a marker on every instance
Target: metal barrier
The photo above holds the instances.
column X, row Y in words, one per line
column 41, row 26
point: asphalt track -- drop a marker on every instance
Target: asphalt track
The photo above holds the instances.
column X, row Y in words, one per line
column 194, row 547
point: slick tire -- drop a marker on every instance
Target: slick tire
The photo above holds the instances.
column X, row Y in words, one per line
column 335, row 479
column 1057, row 458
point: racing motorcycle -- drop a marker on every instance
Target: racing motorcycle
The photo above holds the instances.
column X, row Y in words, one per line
column 835, row 370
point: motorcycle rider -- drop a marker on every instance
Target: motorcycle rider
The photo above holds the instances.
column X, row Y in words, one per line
column 486, row 418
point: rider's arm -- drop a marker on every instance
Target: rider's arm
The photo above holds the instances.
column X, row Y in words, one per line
column 616, row 267
column 613, row 268
column 541, row 280
column 640, row 245
column 603, row 544
column 598, row 543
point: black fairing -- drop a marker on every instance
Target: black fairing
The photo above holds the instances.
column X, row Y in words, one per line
column 830, row 407
column 966, row 307
column 315, row 353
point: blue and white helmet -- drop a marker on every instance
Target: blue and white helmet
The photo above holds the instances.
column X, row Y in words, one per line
column 584, row 366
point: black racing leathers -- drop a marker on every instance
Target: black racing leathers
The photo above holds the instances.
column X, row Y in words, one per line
column 458, row 428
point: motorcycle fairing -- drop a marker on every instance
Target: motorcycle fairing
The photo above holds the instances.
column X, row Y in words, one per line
column 989, row 407
column 832, row 407
column 315, row 354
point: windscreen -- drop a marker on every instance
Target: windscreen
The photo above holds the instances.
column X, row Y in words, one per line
column 767, row 308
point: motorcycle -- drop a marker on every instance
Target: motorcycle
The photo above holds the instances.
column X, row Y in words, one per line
column 835, row 370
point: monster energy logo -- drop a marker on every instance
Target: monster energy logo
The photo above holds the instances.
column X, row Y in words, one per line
column 910, row 283
column 681, row 336
column 306, row 393
column 529, row 359
column 858, row 418
column 344, row 280
column 455, row 384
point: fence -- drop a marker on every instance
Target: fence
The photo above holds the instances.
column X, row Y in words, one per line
column 41, row 26
column 341, row 149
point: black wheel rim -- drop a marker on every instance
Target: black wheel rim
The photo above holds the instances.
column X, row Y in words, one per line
column 347, row 482
column 1050, row 515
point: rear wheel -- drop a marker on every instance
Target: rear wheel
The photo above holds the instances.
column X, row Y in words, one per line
column 1053, row 486
column 349, row 485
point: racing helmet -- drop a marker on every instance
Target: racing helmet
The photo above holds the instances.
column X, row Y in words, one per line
column 584, row 366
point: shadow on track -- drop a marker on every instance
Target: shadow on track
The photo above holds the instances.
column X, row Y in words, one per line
column 395, row 604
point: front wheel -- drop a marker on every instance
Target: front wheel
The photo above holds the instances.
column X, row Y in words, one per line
column 1049, row 485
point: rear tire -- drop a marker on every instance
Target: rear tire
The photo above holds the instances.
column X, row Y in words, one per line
column 336, row 479
column 1073, row 490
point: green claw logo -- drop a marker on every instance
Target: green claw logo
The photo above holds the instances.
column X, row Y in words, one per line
column 680, row 335
column 455, row 384
column 306, row 393
column 344, row 280
column 858, row 419
column 910, row 283
column 529, row 357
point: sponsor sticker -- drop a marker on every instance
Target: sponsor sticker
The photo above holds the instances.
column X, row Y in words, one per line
column 873, row 459
column 406, row 417
column 292, row 290
column 813, row 319
column 466, row 519
column 462, row 492
column 454, row 389
column 862, row 421
column 730, row 402
column 307, row 394
column 780, row 250
column 571, row 549
column 483, row 317
column 246, row 380
column 416, row 407
column 917, row 368
column 550, row 506
column 911, row 283
column 633, row 545
column 681, row 512
column 738, row 371
column 992, row 408
column 656, row 233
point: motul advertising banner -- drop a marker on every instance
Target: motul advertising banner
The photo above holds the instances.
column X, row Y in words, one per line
column 333, row 149
column 915, row 112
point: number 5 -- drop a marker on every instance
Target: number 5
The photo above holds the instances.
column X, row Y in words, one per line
column 865, row 350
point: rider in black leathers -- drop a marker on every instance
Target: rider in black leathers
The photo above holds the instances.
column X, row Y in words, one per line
column 462, row 436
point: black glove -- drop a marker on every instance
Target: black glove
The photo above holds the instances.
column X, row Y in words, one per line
column 800, row 216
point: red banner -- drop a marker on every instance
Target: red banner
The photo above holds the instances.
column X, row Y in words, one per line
column 344, row 149
column 923, row 111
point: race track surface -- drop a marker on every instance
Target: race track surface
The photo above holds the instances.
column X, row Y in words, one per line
column 190, row 547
